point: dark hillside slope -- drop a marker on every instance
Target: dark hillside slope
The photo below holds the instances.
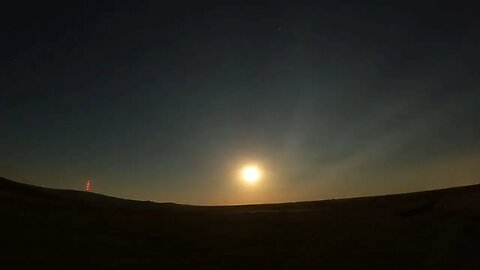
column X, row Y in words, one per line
column 61, row 229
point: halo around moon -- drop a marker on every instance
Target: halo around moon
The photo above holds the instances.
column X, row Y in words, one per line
column 251, row 174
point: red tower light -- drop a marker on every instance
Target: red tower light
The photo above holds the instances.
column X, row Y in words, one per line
column 88, row 186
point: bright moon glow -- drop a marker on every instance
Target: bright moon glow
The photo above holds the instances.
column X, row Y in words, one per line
column 251, row 174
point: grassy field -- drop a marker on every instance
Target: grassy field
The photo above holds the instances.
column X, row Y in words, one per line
column 62, row 229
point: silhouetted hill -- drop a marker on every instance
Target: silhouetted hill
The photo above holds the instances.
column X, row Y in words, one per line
column 39, row 196
column 63, row 229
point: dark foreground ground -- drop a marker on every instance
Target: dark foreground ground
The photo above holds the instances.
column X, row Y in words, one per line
column 60, row 229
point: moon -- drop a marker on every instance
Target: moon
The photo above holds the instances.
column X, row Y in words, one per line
column 251, row 174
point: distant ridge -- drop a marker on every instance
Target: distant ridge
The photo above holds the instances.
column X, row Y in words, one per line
column 44, row 228
column 21, row 189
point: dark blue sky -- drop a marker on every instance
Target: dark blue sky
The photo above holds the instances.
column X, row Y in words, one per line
column 166, row 101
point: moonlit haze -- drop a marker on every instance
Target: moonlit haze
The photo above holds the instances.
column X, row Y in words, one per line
column 239, row 102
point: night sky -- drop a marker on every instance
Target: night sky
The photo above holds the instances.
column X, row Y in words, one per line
column 165, row 102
